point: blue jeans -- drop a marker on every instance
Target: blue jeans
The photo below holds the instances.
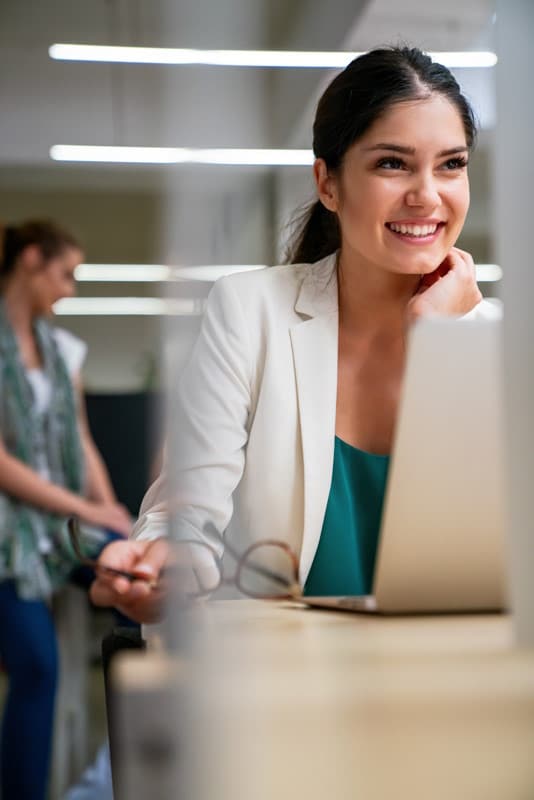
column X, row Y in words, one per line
column 29, row 653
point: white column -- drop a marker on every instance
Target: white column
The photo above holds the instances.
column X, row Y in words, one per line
column 514, row 224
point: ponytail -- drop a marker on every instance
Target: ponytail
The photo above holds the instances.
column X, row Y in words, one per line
column 317, row 235
column 3, row 231
column 6, row 246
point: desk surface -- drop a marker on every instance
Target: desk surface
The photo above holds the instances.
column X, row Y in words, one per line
column 337, row 705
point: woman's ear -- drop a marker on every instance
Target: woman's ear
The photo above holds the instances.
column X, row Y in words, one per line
column 326, row 183
column 31, row 258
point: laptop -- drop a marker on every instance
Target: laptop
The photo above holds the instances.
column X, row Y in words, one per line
column 441, row 546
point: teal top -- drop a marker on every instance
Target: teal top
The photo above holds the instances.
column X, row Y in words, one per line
column 345, row 558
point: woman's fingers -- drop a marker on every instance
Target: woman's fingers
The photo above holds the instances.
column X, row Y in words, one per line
column 144, row 559
column 140, row 602
column 451, row 290
column 462, row 261
column 122, row 554
column 161, row 567
column 156, row 555
column 138, row 599
column 102, row 594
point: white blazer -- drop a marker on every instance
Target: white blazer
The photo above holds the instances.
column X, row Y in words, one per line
column 255, row 412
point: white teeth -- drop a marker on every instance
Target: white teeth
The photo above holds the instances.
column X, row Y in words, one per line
column 413, row 230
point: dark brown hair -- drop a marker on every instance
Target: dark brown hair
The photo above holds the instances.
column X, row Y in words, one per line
column 352, row 102
column 49, row 237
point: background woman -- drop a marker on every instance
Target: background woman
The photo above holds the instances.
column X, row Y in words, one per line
column 49, row 469
column 291, row 395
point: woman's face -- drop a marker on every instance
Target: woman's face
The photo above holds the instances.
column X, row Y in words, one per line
column 402, row 194
column 55, row 279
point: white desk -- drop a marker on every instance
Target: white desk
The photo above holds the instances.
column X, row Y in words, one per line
column 293, row 702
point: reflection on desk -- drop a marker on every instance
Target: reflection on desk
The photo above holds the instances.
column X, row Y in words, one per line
column 282, row 701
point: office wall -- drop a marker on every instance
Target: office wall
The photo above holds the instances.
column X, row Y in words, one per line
column 132, row 224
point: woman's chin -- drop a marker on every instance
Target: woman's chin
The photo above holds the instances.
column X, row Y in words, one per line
column 425, row 266
column 416, row 270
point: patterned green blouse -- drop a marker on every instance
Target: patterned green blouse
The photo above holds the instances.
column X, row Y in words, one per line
column 34, row 548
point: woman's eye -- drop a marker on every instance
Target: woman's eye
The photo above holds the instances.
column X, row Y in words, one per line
column 390, row 163
column 455, row 163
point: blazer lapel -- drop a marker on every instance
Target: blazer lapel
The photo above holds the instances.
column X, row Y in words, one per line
column 314, row 342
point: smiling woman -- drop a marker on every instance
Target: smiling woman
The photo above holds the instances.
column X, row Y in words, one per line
column 392, row 193
column 293, row 388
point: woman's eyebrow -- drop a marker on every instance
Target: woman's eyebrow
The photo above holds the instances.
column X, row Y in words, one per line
column 410, row 151
column 453, row 150
column 397, row 148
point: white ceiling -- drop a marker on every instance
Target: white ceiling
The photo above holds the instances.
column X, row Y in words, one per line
column 45, row 102
column 431, row 25
column 189, row 215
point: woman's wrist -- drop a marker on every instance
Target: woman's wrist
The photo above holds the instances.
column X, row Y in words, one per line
column 81, row 507
column 104, row 498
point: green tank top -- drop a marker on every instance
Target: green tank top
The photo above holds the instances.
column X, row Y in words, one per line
column 345, row 558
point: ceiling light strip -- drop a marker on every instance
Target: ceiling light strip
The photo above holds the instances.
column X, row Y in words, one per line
column 157, row 273
column 488, row 273
column 128, row 306
column 243, row 58
column 226, row 156
column 122, row 273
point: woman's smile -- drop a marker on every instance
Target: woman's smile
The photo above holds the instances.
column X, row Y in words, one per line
column 416, row 232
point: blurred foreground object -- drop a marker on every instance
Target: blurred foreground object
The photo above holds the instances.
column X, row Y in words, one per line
column 278, row 702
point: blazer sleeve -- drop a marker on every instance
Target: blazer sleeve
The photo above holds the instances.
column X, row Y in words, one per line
column 209, row 412
column 486, row 309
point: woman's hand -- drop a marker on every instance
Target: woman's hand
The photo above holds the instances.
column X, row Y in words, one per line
column 451, row 290
column 112, row 516
column 142, row 600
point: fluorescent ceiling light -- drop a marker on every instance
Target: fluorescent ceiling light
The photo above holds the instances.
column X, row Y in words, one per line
column 157, row 273
column 127, row 306
column 488, row 273
column 211, row 272
column 182, row 155
column 119, row 273
column 242, row 58
column 158, row 306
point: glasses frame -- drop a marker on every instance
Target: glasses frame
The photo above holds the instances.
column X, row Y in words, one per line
column 243, row 560
column 294, row 590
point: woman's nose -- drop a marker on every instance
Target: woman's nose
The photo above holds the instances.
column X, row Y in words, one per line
column 423, row 192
